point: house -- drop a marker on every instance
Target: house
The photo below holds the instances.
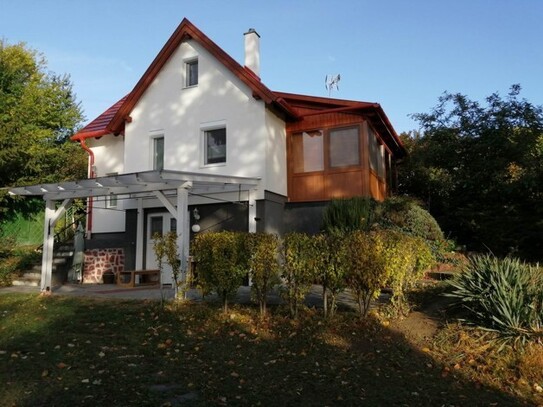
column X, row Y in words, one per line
column 202, row 144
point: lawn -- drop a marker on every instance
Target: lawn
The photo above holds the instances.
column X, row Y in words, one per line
column 58, row 351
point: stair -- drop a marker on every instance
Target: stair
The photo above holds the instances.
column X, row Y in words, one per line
column 62, row 260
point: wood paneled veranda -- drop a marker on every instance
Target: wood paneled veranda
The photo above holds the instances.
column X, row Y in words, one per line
column 327, row 182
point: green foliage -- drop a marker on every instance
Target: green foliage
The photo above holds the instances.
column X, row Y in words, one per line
column 330, row 264
column 367, row 273
column 14, row 260
column 404, row 214
column 298, row 273
column 345, row 215
column 222, row 263
column 263, row 249
column 165, row 247
column 38, row 113
column 478, row 169
column 406, row 258
column 502, row 295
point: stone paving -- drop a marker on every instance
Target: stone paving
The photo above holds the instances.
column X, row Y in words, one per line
column 112, row 291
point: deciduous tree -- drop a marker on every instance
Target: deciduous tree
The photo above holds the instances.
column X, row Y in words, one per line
column 38, row 114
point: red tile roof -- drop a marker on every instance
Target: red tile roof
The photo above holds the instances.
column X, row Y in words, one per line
column 291, row 107
column 99, row 126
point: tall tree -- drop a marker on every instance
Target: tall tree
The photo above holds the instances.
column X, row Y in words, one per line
column 480, row 170
column 38, row 114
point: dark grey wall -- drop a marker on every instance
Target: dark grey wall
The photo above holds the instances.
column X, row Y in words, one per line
column 131, row 227
column 221, row 216
column 304, row 217
column 269, row 214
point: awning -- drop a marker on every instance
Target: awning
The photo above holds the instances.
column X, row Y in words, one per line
column 138, row 184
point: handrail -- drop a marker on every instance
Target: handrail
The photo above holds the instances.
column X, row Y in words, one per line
column 64, row 229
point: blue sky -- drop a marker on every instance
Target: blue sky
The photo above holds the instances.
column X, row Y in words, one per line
column 401, row 54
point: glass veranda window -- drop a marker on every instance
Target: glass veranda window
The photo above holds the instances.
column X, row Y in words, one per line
column 308, row 151
column 344, row 147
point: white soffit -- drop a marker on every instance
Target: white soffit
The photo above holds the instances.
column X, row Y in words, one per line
column 138, row 184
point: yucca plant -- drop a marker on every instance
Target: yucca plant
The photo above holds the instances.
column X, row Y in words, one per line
column 503, row 295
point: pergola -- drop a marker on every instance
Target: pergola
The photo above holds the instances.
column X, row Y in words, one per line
column 161, row 185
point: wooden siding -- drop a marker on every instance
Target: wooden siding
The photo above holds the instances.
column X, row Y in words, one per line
column 357, row 180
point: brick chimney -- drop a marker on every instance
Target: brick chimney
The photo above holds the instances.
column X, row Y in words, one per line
column 252, row 51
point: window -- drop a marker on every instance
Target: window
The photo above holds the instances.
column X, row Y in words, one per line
column 156, row 226
column 215, row 146
column 191, row 73
column 308, row 151
column 377, row 155
column 321, row 150
column 344, row 147
column 111, row 200
column 158, row 153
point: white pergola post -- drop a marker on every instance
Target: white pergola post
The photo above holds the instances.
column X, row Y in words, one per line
column 51, row 218
column 183, row 239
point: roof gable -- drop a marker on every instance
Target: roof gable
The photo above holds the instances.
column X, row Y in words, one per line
column 186, row 30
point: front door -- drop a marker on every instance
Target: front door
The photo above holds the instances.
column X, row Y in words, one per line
column 160, row 223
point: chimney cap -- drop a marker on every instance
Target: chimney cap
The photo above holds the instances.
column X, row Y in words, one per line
column 252, row 31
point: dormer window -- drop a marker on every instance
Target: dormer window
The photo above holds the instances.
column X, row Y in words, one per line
column 191, row 72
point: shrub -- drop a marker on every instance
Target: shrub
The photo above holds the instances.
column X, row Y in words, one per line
column 297, row 269
column 406, row 258
column 367, row 273
column 406, row 215
column 345, row 215
column 263, row 249
column 502, row 295
column 330, row 263
column 14, row 261
column 222, row 263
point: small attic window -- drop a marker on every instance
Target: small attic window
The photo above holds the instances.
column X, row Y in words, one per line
column 191, row 72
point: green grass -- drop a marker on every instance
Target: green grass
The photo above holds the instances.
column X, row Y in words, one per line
column 61, row 351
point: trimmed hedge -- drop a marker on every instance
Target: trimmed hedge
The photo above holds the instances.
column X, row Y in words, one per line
column 365, row 262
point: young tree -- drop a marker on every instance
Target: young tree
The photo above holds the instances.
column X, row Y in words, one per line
column 297, row 272
column 331, row 263
column 38, row 114
column 479, row 168
column 263, row 249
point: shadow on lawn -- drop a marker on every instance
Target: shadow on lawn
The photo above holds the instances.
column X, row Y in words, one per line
column 67, row 351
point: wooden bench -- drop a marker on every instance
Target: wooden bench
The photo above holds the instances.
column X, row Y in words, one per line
column 147, row 277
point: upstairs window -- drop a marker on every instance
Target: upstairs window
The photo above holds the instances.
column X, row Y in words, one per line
column 158, row 153
column 215, row 146
column 191, row 73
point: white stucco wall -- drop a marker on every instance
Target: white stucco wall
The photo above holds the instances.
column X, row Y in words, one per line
column 108, row 159
column 180, row 114
column 276, row 155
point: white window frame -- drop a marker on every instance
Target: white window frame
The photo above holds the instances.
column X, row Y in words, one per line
column 155, row 136
column 111, row 200
column 204, row 128
column 186, row 64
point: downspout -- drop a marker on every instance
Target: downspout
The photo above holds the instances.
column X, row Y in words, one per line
column 91, row 174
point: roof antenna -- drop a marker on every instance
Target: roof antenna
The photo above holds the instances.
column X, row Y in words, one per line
column 330, row 82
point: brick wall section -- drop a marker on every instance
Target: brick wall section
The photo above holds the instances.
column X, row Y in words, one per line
column 98, row 261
